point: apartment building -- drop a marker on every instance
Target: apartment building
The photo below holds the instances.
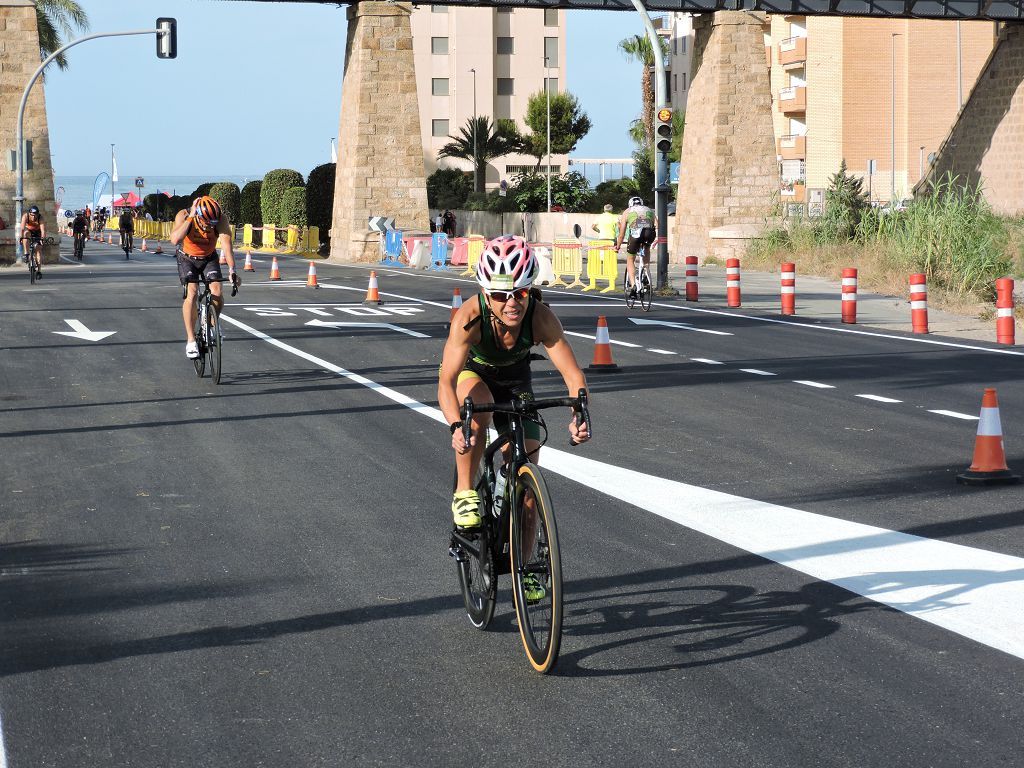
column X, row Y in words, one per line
column 880, row 93
column 484, row 61
column 677, row 29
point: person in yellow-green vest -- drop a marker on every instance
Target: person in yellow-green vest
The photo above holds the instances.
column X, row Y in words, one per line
column 607, row 224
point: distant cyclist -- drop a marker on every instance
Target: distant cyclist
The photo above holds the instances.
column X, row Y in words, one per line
column 126, row 226
column 640, row 225
column 80, row 230
column 33, row 230
column 197, row 233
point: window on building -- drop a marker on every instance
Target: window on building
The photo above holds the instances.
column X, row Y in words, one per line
column 504, row 9
column 668, row 86
column 683, row 41
column 439, row 128
column 439, row 46
column 505, row 86
column 505, row 45
column 551, row 83
column 550, row 17
column 439, row 86
column 675, row 82
column 675, row 45
column 684, row 81
column 439, row 9
column 551, row 51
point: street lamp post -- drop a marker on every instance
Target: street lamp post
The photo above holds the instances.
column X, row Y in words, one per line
column 475, row 159
column 892, row 123
column 113, row 178
column 547, row 92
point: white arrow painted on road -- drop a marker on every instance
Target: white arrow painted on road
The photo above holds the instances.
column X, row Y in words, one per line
column 83, row 333
column 341, row 324
column 681, row 326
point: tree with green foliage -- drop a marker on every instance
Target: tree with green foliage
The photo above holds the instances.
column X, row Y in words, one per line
column 275, row 184
column 492, row 141
column 638, row 48
column 202, row 189
column 845, row 203
column 249, row 211
column 569, row 124
column 58, row 21
column 448, row 188
column 229, row 196
column 293, row 207
column 154, row 205
column 320, row 199
column 569, row 190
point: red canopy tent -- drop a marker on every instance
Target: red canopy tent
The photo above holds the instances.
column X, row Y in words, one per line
column 127, row 201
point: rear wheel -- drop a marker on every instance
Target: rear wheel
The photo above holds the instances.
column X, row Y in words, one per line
column 213, row 345
column 645, row 290
column 536, row 569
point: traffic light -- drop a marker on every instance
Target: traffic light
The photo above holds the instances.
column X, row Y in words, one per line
column 167, row 38
column 663, row 130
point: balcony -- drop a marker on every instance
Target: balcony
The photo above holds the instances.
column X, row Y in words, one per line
column 793, row 99
column 793, row 191
column 791, row 147
column 793, row 50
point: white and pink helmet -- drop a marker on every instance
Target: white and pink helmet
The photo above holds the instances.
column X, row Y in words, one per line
column 507, row 262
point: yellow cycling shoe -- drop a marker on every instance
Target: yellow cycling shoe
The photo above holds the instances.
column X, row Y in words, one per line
column 466, row 509
column 533, row 590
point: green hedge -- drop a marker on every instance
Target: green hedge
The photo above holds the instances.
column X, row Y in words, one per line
column 249, row 209
column 202, row 189
column 293, row 207
column 275, row 184
column 448, row 188
column 230, row 198
column 320, row 199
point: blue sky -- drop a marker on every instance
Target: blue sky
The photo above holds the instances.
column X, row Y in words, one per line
column 257, row 86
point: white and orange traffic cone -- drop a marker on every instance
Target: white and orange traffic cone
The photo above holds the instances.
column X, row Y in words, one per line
column 602, row 349
column 456, row 304
column 275, row 273
column 248, row 263
column 311, row 278
column 989, row 464
column 110, row 239
column 143, row 245
column 372, row 294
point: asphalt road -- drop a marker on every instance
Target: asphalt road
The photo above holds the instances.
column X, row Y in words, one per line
column 764, row 567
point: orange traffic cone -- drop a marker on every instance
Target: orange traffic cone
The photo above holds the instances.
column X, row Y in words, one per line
column 275, row 274
column 311, row 279
column 989, row 465
column 110, row 239
column 602, row 350
column 248, row 263
column 143, row 245
column 456, row 304
column 372, row 296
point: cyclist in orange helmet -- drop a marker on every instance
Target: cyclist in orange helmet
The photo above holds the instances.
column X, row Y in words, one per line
column 197, row 233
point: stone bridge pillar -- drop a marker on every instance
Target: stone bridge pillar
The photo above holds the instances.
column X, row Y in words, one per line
column 380, row 154
column 19, row 57
column 729, row 180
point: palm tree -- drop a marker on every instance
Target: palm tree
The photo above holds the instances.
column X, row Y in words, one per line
column 491, row 142
column 56, row 20
column 638, row 47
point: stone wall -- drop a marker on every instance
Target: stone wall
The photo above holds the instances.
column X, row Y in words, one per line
column 731, row 175
column 985, row 143
column 380, row 168
column 19, row 58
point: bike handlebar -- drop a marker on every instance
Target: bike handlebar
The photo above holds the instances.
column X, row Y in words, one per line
column 579, row 405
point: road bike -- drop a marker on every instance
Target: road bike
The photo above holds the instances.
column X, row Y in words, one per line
column 517, row 533
column 208, row 335
column 644, row 292
column 34, row 258
column 80, row 245
column 126, row 243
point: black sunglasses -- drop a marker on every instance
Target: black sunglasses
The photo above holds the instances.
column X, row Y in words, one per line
column 503, row 296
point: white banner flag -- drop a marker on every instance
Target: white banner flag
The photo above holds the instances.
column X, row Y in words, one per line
column 334, row 152
column 113, row 161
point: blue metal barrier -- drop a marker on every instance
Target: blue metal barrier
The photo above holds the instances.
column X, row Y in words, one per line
column 439, row 252
column 392, row 248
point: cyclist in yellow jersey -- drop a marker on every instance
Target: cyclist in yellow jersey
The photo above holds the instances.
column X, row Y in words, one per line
column 487, row 358
column 197, row 233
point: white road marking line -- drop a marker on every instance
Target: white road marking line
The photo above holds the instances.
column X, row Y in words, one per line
column 706, row 361
column 879, row 398
column 972, row 592
column 815, row 384
column 662, row 351
column 758, row 372
column 610, row 341
column 955, row 415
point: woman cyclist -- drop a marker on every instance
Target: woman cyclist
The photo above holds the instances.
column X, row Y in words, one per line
column 33, row 230
column 487, row 358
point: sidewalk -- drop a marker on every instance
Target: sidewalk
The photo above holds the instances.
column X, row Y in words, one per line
column 817, row 299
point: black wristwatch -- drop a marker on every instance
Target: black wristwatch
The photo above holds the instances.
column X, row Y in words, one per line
column 455, row 425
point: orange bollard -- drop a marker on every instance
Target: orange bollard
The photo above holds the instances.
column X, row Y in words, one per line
column 372, row 295
column 275, row 273
column 248, row 263
column 849, row 295
column 787, row 280
column 732, row 283
column 989, row 464
column 602, row 349
column 692, row 286
column 918, row 303
column 1005, row 324
column 311, row 278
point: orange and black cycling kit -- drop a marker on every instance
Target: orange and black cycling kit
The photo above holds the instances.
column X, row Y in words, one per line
column 200, row 244
column 33, row 229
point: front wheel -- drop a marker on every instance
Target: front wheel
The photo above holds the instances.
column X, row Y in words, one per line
column 213, row 345
column 200, row 362
column 536, row 569
column 627, row 289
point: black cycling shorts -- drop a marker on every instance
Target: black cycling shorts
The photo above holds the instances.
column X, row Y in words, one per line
column 647, row 235
column 507, row 382
column 191, row 267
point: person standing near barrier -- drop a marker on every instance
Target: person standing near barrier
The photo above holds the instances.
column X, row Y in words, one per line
column 640, row 225
column 197, row 233
column 438, row 223
column 449, row 224
column 607, row 224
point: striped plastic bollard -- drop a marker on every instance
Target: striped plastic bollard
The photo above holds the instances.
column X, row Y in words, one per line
column 692, row 286
column 787, row 277
column 1004, row 311
column 732, row 283
column 849, row 295
column 918, row 303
